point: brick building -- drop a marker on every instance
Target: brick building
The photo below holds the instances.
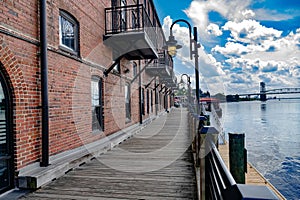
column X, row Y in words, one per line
column 74, row 73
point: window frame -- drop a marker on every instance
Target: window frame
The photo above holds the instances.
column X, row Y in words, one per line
column 147, row 101
column 127, row 102
column 143, row 101
column 97, row 110
column 151, row 101
column 134, row 69
column 72, row 20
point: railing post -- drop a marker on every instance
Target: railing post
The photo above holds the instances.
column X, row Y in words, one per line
column 237, row 157
column 200, row 123
column 207, row 134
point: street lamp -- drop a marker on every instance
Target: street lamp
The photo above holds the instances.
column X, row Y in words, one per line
column 188, row 79
column 188, row 84
column 172, row 47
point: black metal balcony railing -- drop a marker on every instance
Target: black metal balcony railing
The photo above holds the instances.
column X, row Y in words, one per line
column 162, row 66
column 164, row 59
column 129, row 24
column 170, row 81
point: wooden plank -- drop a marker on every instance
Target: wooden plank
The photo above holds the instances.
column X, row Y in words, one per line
column 154, row 164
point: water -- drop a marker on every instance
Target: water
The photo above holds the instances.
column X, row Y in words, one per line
column 272, row 131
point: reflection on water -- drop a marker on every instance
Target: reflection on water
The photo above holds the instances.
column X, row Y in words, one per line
column 272, row 132
column 263, row 109
column 263, row 106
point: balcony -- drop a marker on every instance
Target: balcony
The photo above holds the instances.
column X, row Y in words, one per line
column 170, row 81
column 162, row 66
column 130, row 33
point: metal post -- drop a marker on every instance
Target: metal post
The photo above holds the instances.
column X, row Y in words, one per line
column 189, row 95
column 237, row 156
column 140, row 95
column 44, row 84
column 196, row 55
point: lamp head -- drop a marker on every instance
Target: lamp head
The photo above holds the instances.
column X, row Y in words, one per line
column 172, row 46
column 181, row 81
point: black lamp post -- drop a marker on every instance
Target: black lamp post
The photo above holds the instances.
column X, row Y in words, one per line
column 189, row 86
column 172, row 50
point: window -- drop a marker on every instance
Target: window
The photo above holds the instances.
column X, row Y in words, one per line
column 143, row 101
column 68, row 32
column 148, row 102
column 97, row 106
column 134, row 66
column 127, row 102
column 151, row 101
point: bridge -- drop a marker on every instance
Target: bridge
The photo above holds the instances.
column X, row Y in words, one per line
column 263, row 92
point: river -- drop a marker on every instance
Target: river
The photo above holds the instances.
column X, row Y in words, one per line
column 272, row 132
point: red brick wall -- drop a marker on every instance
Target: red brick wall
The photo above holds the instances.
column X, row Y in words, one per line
column 20, row 65
column 69, row 78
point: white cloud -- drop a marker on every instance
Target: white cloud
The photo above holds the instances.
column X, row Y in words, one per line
column 272, row 15
column 231, row 48
column 234, row 10
column 248, row 14
column 250, row 31
column 274, row 73
column 213, row 29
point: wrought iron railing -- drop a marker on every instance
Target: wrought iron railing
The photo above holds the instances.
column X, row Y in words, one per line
column 164, row 59
column 129, row 19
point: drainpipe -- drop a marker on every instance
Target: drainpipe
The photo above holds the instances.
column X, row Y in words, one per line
column 140, row 95
column 44, row 84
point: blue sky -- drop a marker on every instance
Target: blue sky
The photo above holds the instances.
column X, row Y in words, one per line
column 242, row 42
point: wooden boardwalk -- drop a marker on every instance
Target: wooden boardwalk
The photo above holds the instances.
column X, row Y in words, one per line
column 154, row 164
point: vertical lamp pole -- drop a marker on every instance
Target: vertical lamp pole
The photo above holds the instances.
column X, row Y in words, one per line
column 172, row 50
column 189, row 86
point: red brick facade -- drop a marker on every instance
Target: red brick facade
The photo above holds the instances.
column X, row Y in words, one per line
column 69, row 78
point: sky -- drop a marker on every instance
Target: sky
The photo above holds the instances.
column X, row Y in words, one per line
column 242, row 43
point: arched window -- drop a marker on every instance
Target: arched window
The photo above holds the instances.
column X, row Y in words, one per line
column 68, row 32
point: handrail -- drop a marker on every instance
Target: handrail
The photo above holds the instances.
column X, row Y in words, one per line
column 216, row 178
column 223, row 166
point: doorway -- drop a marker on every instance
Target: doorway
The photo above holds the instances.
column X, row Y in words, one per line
column 6, row 137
